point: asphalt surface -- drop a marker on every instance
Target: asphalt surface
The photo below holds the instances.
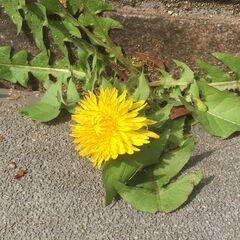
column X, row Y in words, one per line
column 62, row 197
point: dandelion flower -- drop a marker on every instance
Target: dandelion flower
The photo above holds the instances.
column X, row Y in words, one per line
column 108, row 125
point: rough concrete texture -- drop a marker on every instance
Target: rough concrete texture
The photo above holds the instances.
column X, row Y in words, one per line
column 62, row 197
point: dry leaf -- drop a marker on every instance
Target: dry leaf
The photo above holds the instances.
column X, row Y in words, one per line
column 150, row 59
column 177, row 112
column 1, row 138
column 14, row 98
column 21, row 173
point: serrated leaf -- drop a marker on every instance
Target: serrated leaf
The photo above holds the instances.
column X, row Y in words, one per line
column 36, row 18
column 142, row 92
column 124, row 167
column 20, row 75
column 230, row 60
column 7, row 69
column 214, row 73
column 12, row 8
column 101, row 25
column 12, row 68
column 60, row 35
column 55, row 7
column 222, row 117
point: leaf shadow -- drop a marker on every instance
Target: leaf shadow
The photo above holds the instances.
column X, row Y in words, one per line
column 63, row 117
column 204, row 182
column 197, row 189
column 197, row 159
column 234, row 135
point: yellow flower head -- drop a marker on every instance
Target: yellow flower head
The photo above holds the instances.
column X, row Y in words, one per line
column 108, row 125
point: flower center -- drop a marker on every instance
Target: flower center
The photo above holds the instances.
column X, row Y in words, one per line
column 105, row 124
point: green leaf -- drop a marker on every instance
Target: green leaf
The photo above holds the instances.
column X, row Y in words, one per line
column 72, row 93
column 7, row 69
column 49, row 106
column 177, row 136
column 194, row 90
column 148, row 190
column 106, row 83
column 233, row 62
column 125, row 166
column 142, row 92
column 36, row 18
column 177, row 193
column 54, row 6
column 96, row 6
column 41, row 112
column 187, row 75
column 170, row 164
column 101, row 25
column 74, row 6
column 72, row 29
column 222, row 117
column 72, row 96
column 17, row 68
column 166, row 79
column 93, row 75
column 12, row 8
column 166, row 199
column 162, row 115
column 60, row 35
column 214, row 73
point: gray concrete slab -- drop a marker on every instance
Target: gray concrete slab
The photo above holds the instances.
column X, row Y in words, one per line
column 62, row 197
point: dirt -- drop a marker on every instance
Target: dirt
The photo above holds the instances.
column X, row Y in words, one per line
column 208, row 7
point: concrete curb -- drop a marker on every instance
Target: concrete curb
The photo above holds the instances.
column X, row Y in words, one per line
column 177, row 36
column 167, row 36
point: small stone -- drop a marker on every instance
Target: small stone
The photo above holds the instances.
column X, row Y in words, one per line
column 12, row 165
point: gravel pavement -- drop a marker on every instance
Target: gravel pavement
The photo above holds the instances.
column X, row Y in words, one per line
column 62, row 197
